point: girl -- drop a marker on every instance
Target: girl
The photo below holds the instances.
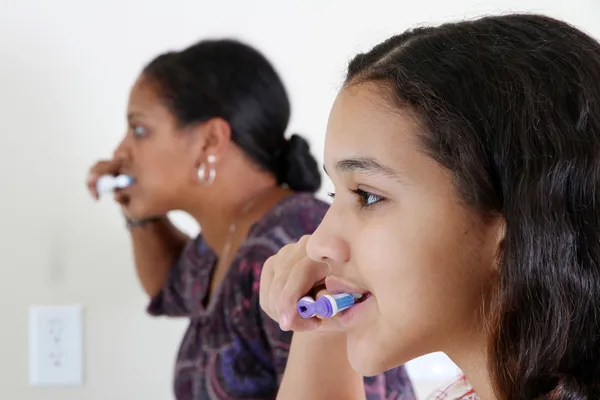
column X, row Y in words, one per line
column 466, row 164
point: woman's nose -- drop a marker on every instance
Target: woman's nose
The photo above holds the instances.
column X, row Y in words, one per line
column 120, row 153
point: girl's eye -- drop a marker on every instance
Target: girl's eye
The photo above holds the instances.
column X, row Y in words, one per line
column 367, row 199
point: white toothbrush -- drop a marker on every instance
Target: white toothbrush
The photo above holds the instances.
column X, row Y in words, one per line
column 108, row 183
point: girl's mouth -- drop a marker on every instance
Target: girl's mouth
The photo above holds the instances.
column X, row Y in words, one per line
column 363, row 297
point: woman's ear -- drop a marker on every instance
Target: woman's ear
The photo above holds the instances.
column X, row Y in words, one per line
column 211, row 138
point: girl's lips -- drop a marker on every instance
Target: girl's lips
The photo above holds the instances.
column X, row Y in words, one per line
column 353, row 316
column 338, row 285
column 364, row 297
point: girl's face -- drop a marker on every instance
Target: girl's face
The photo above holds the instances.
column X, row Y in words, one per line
column 398, row 230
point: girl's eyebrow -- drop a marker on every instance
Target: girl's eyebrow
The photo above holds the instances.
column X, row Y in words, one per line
column 365, row 164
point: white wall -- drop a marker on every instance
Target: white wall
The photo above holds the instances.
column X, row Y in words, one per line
column 65, row 71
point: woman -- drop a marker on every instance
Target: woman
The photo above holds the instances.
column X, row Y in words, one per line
column 466, row 163
column 206, row 136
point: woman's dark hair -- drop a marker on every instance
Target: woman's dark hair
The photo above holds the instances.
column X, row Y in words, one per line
column 511, row 106
column 233, row 81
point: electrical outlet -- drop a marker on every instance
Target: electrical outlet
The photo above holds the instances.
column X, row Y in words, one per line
column 56, row 345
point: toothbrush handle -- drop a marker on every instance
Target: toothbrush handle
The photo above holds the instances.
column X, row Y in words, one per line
column 105, row 184
column 307, row 307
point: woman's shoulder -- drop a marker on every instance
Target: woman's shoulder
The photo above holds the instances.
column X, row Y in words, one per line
column 293, row 217
column 460, row 389
column 296, row 202
column 297, row 214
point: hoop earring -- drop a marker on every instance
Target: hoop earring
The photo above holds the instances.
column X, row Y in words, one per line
column 212, row 173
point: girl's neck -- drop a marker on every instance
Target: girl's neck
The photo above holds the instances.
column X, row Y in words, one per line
column 472, row 359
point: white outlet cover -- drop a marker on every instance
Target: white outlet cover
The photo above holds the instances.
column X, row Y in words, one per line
column 56, row 345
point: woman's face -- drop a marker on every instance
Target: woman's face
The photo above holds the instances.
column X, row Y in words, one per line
column 398, row 230
column 159, row 155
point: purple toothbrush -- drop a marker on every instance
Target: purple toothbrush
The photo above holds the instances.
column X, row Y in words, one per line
column 326, row 306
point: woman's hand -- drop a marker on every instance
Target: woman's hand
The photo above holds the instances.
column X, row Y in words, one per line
column 105, row 167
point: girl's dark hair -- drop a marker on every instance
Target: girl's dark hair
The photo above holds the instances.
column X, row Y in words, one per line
column 511, row 105
column 233, row 81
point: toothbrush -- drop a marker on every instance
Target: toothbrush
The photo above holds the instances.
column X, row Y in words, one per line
column 327, row 306
column 108, row 183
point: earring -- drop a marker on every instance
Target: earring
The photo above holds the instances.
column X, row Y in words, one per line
column 210, row 160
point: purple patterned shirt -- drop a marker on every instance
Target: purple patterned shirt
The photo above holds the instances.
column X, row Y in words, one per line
column 232, row 349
